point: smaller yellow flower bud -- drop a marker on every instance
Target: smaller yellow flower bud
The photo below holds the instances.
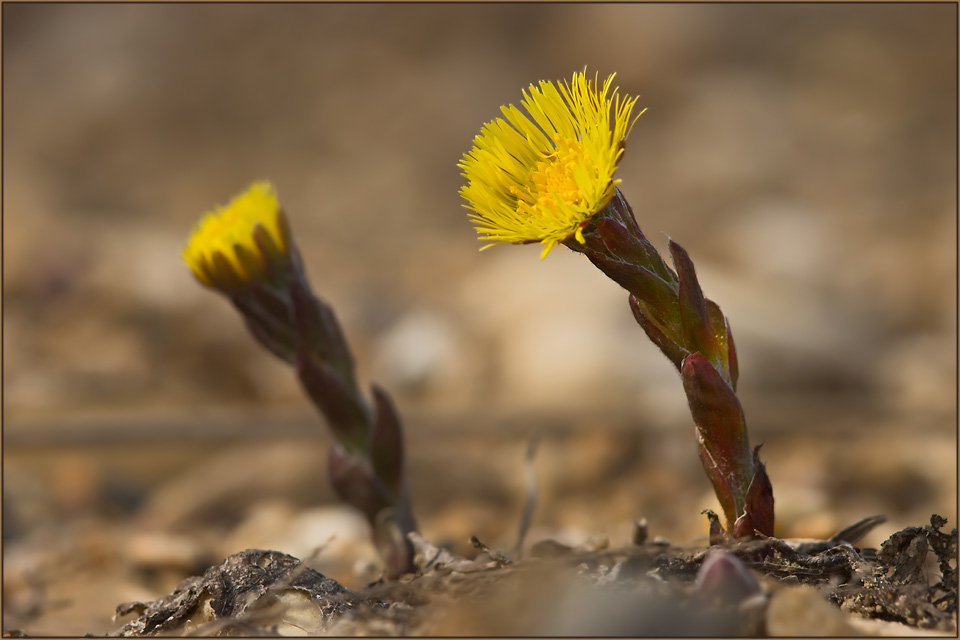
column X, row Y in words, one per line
column 241, row 242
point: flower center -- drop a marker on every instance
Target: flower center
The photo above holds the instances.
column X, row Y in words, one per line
column 553, row 178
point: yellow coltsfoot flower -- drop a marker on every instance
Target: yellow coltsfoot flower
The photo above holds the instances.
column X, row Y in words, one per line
column 542, row 178
column 243, row 242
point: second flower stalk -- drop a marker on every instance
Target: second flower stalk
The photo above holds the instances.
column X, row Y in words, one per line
column 246, row 252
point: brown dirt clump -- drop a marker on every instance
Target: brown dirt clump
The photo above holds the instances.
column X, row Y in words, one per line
column 646, row 589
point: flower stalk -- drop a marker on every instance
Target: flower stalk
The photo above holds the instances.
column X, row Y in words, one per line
column 695, row 336
column 246, row 252
column 666, row 302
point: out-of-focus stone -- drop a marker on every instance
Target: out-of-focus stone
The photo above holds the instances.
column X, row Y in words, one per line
column 919, row 373
column 156, row 550
column 803, row 611
column 227, row 483
column 560, row 334
column 780, row 239
column 422, row 353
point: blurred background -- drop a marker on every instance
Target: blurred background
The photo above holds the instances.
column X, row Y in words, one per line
column 804, row 155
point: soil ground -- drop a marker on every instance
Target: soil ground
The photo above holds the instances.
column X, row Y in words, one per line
column 644, row 590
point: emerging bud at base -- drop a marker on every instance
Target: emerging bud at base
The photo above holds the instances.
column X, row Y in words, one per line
column 725, row 577
column 757, row 515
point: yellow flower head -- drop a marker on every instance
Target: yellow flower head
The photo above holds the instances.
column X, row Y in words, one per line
column 240, row 242
column 543, row 180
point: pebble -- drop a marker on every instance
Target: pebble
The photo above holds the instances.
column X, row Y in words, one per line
column 804, row 611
